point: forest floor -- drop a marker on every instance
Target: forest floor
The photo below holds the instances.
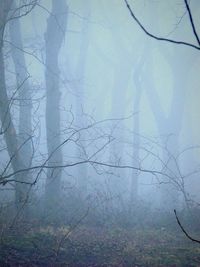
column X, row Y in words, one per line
column 96, row 246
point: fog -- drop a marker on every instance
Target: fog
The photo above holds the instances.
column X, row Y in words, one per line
column 99, row 109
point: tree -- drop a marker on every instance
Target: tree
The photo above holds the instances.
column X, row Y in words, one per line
column 54, row 37
column 78, row 85
column 137, row 79
column 5, row 114
column 24, row 93
column 181, row 77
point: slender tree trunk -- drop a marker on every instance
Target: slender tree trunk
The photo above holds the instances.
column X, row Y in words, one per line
column 7, row 125
column 137, row 78
column 24, row 94
column 55, row 34
column 169, row 126
column 82, row 174
column 11, row 138
column 136, row 141
column 120, row 85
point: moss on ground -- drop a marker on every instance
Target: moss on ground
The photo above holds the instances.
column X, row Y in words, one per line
column 95, row 246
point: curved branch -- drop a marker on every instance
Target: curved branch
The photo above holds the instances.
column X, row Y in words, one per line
column 192, row 22
column 184, row 231
column 157, row 37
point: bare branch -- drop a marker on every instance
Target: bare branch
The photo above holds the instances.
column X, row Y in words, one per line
column 184, row 231
column 161, row 38
column 192, row 22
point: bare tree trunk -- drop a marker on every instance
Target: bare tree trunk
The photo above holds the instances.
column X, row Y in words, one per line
column 7, row 125
column 169, row 126
column 80, row 99
column 55, row 34
column 136, row 140
column 120, row 84
column 24, row 93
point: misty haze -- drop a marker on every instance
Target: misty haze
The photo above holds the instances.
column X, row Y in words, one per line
column 99, row 133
